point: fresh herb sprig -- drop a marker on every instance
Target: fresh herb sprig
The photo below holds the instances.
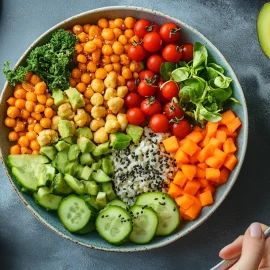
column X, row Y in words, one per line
column 204, row 87
column 50, row 61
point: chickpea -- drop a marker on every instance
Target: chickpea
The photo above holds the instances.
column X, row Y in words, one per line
column 76, row 73
column 103, row 23
column 96, row 56
column 106, row 59
column 111, row 117
column 107, row 50
column 101, row 73
column 96, row 124
column 89, row 92
column 38, row 128
column 101, row 136
column 36, row 116
column 129, row 33
column 49, row 102
column 117, row 67
column 124, row 59
column 23, row 141
column 98, row 112
column 25, row 114
column 35, row 79
column 98, row 42
column 82, row 67
column 129, row 22
column 10, row 122
column 81, row 87
column 42, row 99
column 88, row 108
column 40, row 88
column 127, row 46
column 55, row 121
column 107, row 34
column 72, row 82
column 13, row 136
column 117, row 32
column 15, row 150
column 18, row 86
column 122, row 91
column 110, row 93
column 111, row 126
column 13, row 112
column 31, row 120
column 118, row 22
column 78, row 48
column 85, row 78
column 82, row 37
column 28, row 86
column 111, row 80
column 91, row 66
column 65, row 111
column 111, row 24
column 86, row 28
column 123, row 39
column 26, row 150
column 81, row 118
column 11, row 101
column 20, row 94
column 39, row 108
column 77, row 29
column 122, row 120
column 117, row 48
column 114, row 58
column 31, row 96
column 121, row 80
column 20, row 103
column 94, row 31
column 98, row 85
column 134, row 39
column 115, row 104
column 45, row 122
column 90, row 47
column 30, row 106
column 31, row 135
column 81, row 58
column 34, row 145
column 31, row 127
column 97, row 99
column 28, row 76
column 108, row 68
column 127, row 74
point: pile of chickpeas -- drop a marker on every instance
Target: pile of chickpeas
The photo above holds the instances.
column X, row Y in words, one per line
column 30, row 111
column 103, row 68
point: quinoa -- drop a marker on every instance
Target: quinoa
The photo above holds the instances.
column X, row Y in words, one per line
column 141, row 168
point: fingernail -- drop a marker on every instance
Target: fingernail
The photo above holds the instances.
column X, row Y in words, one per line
column 255, row 230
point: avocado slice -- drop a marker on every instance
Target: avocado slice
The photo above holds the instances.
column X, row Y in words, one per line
column 66, row 128
column 61, row 145
column 135, row 132
column 84, row 132
column 59, row 97
column 75, row 98
column 85, row 145
column 263, row 28
column 49, row 151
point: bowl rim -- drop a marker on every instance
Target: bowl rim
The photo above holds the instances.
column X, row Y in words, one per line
column 244, row 128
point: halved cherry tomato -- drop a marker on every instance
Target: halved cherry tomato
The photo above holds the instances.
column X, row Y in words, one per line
column 140, row 28
column 180, row 128
column 151, row 106
column 154, row 62
column 172, row 53
column 187, row 52
column 135, row 116
column 132, row 85
column 136, row 52
column 146, row 74
column 159, row 123
column 152, row 42
column 172, row 110
column 170, row 90
column 132, row 100
column 170, row 32
column 147, row 87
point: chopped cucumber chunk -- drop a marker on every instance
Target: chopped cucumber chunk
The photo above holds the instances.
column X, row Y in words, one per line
column 75, row 184
column 100, row 177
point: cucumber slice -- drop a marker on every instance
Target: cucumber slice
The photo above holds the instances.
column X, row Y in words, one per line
column 48, row 151
column 62, row 158
column 26, row 160
column 166, row 209
column 59, row 185
column 75, row 184
column 118, row 203
column 89, row 227
column 114, row 224
column 91, row 187
column 145, row 223
column 74, row 213
column 48, row 200
column 25, row 178
column 100, row 176
column 107, row 165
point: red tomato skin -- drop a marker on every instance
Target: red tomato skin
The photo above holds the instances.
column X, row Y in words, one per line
column 181, row 129
column 140, row 28
column 152, row 42
column 145, row 89
column 172, row 53
column 170, row 32
column 187, row 52
column 172, row 111
column 170, row 90
column 159, row 123
column 154, row 62
column 146, row 74
column 136, row 53
column 159, row 94
column 135, row 116
column 132, row 85
column 150, row 109
column 132, row 100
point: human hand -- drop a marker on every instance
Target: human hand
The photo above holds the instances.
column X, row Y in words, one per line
column 254, row 249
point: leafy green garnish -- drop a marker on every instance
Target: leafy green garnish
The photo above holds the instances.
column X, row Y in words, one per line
column 204, row 87
column 120, row 141
column 50, row 61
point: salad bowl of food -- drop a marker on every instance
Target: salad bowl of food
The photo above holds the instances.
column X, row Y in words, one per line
column 123, row 129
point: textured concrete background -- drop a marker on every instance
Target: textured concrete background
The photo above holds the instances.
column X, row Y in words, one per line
column 26, row 244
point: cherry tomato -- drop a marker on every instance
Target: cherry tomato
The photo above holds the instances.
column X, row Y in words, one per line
column 159, row 123
column 152, row 42
column 170, row 32
column 187, row 52
column 146, row 74
column 132, row 85
column 170, row 90
column 159, row 94
column 172, row 110
column 172, row 53
column 151, row 106
column 180, row 129
column 132, row 100
column 140, row 28
column 135, row 116
column 136, row 52
column 154, row 62
column 147, row 88
column 153, row 28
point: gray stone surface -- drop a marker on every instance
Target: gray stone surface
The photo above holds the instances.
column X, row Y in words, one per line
column 26, row 244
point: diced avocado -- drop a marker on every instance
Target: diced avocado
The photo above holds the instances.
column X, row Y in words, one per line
column 59, row 97
column 84, row 132
column 135, row 132
column 50, row 171
column 107, row 165
column 86, row 173
column 120, row 140
column 100, row 177
column 86, row 145
column 91, row 187
column 62, row 145
column 73, row 152
column 101, row 149
column 86, row 159
column 61, row 161
column 75, row 184
column 79, row 171
column 108, row 188
column 75, row 98
column 48, row 151
column 71, row 167
column 263, row 28
column 26, row 160
column 66, row 128
column 101, row 200
column 59, row 185
column 91, row 200
column 96, row 165
column 70, row 140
